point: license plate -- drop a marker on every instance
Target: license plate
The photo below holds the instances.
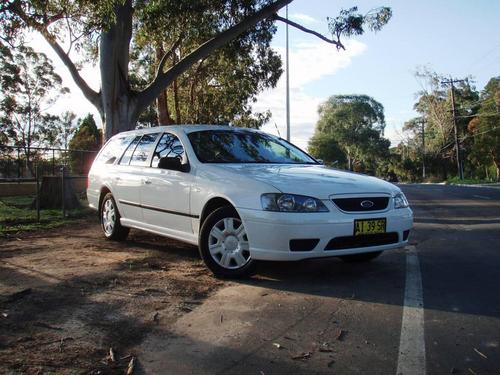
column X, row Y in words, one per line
column 369, row 226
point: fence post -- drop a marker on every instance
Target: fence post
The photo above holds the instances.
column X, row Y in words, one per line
column 37, row 176
column 53, row 163
column 18, row 163
column 62, row 193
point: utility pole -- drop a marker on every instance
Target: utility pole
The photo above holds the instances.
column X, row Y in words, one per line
column 423, row 148
column 287, row 85
column 451, row 82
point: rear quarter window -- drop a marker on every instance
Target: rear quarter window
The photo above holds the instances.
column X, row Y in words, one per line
column 114, row 149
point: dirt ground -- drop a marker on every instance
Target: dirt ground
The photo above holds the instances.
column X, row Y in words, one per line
column 68, row 295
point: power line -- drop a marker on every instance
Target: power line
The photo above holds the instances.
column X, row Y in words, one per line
column 481, row 59
column 481, row 115
column 480, row 102
column 476, row 134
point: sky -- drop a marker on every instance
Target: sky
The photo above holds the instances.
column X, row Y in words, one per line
column 456, row 38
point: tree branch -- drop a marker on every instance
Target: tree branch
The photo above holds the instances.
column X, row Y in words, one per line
column 309, row 31
column 163, row 79
column 167, row 55
column 91, row 95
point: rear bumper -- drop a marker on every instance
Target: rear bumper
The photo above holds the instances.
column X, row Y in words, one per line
column 269, row 233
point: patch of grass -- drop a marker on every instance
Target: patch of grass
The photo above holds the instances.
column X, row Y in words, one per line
column 468, row 181
column 17, row 215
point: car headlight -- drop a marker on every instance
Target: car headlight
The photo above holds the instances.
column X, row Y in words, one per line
column 400, row 201
column 291, row 203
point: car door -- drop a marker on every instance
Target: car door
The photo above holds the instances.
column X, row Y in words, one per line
column 165, row 192
column 128, row 179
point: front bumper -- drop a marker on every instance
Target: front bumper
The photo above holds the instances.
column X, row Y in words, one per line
column 269, row 233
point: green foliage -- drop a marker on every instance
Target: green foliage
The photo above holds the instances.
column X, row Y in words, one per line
column 219, row 88
column 434, row 107
column 485, row 131
column 28, row 86
column 219, row 85
column 350, row 130
column 87, row 138
column 351, row 23
column 78, row 21
column 324, row 146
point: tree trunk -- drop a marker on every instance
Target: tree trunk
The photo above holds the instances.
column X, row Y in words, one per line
column 161, row 101
column 118, row 101
column 496, row 161
column 51, row 194
column 176, row 94
column 162, row 110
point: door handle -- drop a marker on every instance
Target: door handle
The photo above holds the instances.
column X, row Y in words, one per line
column 147, row 182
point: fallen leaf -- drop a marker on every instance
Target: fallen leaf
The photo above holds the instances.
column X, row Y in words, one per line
column 481, row 354
column 111, row 355
column 130, row 368
column 302, row 356
column 340, row 334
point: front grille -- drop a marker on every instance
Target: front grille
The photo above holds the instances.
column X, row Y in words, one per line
column 350, row 242
column 362, row 204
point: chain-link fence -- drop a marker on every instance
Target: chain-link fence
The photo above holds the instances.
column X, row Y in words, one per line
column 21, row 163
column 36, row 183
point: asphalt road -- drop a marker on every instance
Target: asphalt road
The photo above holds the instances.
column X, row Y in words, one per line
column 326, row 316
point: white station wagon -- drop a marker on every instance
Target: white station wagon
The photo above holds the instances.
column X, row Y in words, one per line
column 242, row 195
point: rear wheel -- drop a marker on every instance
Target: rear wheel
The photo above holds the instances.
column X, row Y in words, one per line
column 110, row 220
column 224, row 245
column 358, row 258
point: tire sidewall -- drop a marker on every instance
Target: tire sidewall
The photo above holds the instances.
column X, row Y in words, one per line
column 119, row 232
column 219, row 271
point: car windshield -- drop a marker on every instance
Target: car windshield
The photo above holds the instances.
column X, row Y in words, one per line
column 240, row 146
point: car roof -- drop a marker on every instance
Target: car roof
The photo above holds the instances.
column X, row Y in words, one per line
column 186, row 129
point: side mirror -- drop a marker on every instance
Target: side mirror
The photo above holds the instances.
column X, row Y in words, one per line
column 172, row 163
column 320, row 161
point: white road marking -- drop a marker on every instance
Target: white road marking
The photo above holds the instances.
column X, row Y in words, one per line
column 481, row 197
column 411, row 358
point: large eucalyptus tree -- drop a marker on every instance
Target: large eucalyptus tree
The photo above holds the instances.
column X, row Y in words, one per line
column 107, row 29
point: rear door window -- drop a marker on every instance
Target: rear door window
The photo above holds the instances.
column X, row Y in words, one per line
column 169, row 146
column 128, row 153
column 143, row 149
column 114, row 149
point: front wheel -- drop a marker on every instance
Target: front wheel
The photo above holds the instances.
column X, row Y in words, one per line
column 110, row 220
column 358, row 258
column 224, row 246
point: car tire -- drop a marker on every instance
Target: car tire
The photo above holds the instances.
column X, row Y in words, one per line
column 110, row 220
column 359, row 258
column 224, row 246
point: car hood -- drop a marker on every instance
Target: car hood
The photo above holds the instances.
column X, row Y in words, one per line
column 313, row 180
